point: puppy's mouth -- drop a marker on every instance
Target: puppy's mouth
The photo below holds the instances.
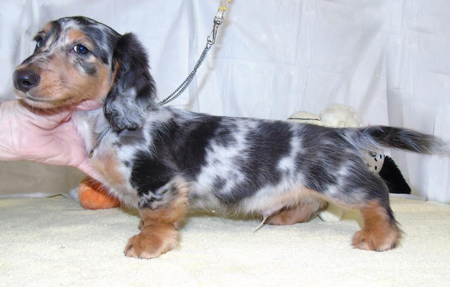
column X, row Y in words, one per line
column 41, row 103
column 30, row 98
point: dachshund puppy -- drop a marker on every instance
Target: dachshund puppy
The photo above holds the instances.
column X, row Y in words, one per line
column 162, row 160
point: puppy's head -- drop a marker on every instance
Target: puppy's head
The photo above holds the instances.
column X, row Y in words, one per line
column 78, row 59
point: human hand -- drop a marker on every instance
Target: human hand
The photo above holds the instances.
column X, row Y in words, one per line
column 42, row 137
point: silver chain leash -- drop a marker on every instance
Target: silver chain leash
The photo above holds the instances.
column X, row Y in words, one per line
column 218, row 20
column 181, row 88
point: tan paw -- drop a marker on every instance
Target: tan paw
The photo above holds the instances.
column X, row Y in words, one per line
column 377, row 239
column 152, row 242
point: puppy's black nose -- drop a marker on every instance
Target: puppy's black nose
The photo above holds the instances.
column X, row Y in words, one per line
column 25, row 80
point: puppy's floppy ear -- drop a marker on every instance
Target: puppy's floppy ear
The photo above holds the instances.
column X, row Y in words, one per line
column 133, row 88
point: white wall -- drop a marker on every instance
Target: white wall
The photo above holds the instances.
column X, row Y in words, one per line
column 388, row 59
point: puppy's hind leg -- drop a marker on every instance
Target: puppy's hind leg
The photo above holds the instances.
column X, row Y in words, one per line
column 303, row 212
column 368, row 193
column 380, row 231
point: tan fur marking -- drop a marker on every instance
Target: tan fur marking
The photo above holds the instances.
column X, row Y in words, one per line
column 304, row 212
column 108, row 167
column 95, row 87
column 47, row 27
column 174, row 212
column 153, row 241
column 159, row 227
column 75, row 35
column 378, row 233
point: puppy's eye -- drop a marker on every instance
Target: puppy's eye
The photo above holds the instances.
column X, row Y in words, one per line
column 80, row 49
column 39, row 41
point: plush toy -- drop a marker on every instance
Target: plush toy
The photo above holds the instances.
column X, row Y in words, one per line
column 344, row 116
column 92, row 195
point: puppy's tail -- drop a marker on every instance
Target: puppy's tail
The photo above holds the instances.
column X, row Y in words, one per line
column 375, row 137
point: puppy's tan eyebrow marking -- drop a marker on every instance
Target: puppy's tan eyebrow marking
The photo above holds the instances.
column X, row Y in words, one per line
column 47, row 28
column 77, row 36
column 41, row 35
column 51, row 29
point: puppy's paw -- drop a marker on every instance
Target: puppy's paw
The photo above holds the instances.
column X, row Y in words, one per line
column 152, row 242
column 377, row 239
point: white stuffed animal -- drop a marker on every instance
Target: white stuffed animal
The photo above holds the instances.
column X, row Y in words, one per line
column 340, row 116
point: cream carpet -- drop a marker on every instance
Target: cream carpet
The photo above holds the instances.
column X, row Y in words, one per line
column 54, row 242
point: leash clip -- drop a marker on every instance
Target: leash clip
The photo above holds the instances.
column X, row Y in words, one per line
column 212, row 35
column 218, row 20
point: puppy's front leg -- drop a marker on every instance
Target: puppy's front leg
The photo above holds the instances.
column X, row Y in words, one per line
column 156, row 237
column 159, row 222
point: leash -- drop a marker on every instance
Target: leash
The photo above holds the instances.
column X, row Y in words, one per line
column 97, row 143
column 218, row 20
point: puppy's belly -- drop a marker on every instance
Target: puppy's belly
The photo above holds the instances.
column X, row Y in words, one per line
column 266, row 201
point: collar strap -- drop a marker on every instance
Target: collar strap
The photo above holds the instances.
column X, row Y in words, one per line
column 102, row 135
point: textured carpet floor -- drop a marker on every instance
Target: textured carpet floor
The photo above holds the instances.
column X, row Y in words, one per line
column 54, row 242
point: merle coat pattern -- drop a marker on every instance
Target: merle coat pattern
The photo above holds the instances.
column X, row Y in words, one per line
column 162, row 160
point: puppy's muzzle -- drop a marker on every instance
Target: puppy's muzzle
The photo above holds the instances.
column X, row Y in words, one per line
column 25, row 80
